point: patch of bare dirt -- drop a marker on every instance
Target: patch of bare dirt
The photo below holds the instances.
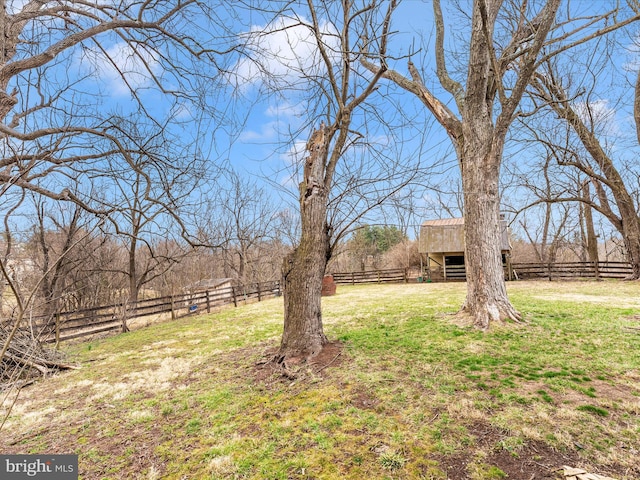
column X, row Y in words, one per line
column 267, row 371
column 535, row 460
column 364, row 400
column 613, row 393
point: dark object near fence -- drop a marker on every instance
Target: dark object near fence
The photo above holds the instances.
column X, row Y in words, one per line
column 110, row 318
column 328, row 286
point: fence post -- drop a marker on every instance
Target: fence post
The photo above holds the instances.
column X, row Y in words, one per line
column 208, row 303
column 406, row 275
column 259, row 291
column 57, row 330
column 173, row 309
column 126, row 308
column 235, row 298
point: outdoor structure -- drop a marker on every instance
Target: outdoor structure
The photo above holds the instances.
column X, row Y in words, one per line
column 442, row 248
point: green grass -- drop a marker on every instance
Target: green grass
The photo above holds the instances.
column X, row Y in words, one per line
column 413, row 392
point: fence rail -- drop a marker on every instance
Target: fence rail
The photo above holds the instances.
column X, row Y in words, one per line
column 396, row 275
column 572, row 270
column 523, row 271
column 64, row 326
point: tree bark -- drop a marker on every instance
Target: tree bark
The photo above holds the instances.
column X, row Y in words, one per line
column 487, row 299
column 480, row 151
column 303, row 270
column 134, row 288
column 592, row 239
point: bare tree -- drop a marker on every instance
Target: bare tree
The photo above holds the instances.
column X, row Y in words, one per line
column 152, row 183
column 507, row 43
column 343, row 91
column 64, row 67
column 53, row 235
column 543, row 221
column 51, row 56
column 614, row 194
column 244, row 218
column 344, row 172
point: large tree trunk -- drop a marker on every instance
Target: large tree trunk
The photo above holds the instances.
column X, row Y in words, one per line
column 480, row 149
column 303, row 270
column 631, row 235
column 487, row 299
column 133, row 272
column 629, row 224
column 592, row 238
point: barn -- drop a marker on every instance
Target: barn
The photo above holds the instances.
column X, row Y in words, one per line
column 441, row 246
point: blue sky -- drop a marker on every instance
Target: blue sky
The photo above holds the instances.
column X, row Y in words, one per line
column 265, row 146
column 257, row 138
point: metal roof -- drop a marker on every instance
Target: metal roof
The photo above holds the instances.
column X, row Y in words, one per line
column 443, row 222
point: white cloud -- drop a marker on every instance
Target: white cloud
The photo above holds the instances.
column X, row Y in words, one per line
column 296, row 152
column 15, row 6
column 267, row 131
column 135, row 63
column 283, row 52
column 279, row 118
column 598, row 113
column 284, row 109
column 633, row 56
column 182, row 112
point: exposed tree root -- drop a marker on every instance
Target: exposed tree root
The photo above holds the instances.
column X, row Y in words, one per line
column 485, row 315
column 297, row 365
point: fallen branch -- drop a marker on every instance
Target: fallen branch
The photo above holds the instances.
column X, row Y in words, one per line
column 25, row 357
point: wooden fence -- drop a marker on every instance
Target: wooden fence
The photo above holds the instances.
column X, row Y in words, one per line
column 569, row 270
column 395, row 275
column 108, row 318
column 523, row 271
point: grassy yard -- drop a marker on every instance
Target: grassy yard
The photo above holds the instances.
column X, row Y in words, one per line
column 413, row 393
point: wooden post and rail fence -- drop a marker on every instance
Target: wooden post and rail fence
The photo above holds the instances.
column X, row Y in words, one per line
column 522, row 271
column 571, row 270
column 64, row 326
column 394, row 275
column 113, row 318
